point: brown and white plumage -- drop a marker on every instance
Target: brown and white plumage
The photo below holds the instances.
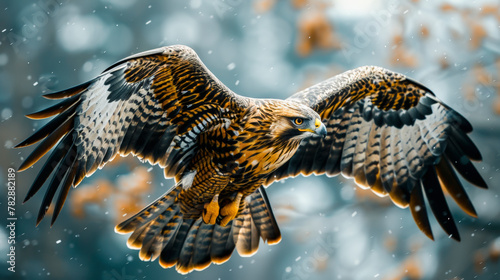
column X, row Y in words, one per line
column 387, row 132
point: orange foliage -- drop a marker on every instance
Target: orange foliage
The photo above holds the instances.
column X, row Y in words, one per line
column 401, row 56
column 479, row 261
column 490, row 9
column 424, row 32
column 483, row 256
column 469, row 92
column 125, row 194
column 478, row 33
column 447, row 7
column 85, row 194
column 496, row 105
column 443, row 62
column 299, row 4
column 315, row 31
column 262, row 6
column 482, row 75
column 390, row 243
column 409, row 269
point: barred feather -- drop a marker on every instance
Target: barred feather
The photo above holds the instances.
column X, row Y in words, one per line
column 394, row 136
column 162, row 231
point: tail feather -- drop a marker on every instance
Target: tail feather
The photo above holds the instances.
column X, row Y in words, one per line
column 136, row 238
column 184, row 263
column 161, row 231
column 170, row 254
column 151, row 212
column 247, row 234
column 222, row 243
column 201, row 256
column 263, row 217
column 163, row 228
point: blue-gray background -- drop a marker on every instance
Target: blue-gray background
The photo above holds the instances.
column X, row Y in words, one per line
column 259, row 48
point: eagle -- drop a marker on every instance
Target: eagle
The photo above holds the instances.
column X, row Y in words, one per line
column 389, row 133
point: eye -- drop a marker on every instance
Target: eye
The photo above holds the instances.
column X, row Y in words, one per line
column 298, row 121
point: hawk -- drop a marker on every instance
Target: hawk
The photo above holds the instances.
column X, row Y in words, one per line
column 389, row 133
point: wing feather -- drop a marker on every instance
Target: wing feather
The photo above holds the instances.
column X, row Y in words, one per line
column 390, row 134
column 419, row 212
column 371, row 164
column 62, row 169
column 54, row 110
column 351, row 140
column 437, row 202
column 449, row 180
column 146, row 104
column 63, row 193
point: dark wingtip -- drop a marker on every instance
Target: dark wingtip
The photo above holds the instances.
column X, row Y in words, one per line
column 21, row 145
column 41, row 214
column 55, row 109
column 25, row 165
column 481, row 183
column 53, row 220
column 430, row 236
column 463, row 165
column 437, row 202
column 419, row 212
column 455, row 237
column 68, row 92
column 37, row 115
column 27, row 197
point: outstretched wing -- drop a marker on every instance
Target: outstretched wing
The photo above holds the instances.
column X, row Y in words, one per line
column 393, row 136
column 153, row 104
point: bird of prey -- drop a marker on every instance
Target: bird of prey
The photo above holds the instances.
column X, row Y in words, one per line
column 389, row 133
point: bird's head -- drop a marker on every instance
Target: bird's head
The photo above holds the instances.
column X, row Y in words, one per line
column 296, row 121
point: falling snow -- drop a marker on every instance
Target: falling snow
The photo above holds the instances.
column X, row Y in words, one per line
column 231, row 66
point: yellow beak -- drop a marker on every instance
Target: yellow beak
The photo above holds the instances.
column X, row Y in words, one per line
column 320, row 128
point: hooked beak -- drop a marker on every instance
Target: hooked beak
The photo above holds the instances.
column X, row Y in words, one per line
column 320, row 128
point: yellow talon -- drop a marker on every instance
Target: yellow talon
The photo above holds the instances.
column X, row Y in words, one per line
column 212, row 211
column 230, row 210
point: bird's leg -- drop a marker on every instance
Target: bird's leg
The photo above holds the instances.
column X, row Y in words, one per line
column 230, row 210
column 211, row 210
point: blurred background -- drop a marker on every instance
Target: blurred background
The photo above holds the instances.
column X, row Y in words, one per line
column 259, row 48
